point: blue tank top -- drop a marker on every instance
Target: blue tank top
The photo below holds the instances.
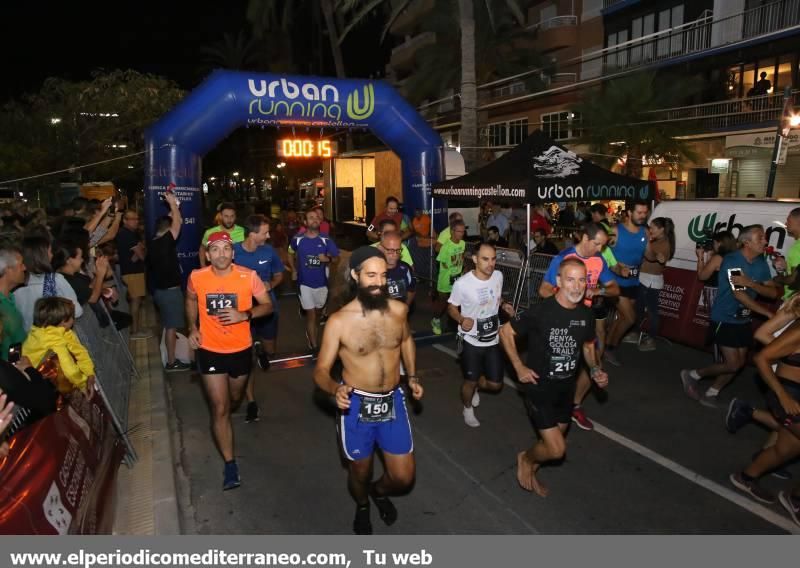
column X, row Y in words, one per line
column 629, row 250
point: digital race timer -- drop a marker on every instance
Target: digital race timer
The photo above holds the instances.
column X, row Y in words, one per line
column 305, row 148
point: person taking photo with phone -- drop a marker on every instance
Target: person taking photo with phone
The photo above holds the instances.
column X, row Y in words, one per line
column 744, row 275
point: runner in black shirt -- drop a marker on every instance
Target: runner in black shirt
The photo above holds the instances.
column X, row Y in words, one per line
column 558, row 330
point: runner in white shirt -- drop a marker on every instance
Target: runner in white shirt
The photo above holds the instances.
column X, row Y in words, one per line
column 478, row 294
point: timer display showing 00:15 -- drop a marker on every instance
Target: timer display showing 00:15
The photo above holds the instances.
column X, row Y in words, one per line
column 304, row 148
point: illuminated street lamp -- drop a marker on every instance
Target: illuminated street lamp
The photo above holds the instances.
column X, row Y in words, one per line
column 786, row 122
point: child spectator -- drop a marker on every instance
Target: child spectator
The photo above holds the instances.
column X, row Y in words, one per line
column 53, row 319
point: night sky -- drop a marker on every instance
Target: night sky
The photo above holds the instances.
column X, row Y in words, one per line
column 69, row 39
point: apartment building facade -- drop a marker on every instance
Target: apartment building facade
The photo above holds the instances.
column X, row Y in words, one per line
column 725, row 45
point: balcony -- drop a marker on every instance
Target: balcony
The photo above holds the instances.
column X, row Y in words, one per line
column 724, row 115
column 403, row 56
column 556, row 33
column 701, row 35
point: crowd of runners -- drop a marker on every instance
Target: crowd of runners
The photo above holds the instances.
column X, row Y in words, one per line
column 599, row 292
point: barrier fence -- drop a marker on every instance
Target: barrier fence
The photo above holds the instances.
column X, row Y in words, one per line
column 521, row 276
column 114, row 366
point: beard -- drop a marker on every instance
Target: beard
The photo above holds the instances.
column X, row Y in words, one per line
column 574, row 297
column 370, row 301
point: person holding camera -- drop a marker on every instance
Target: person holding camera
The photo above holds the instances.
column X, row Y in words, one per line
column 731, row 315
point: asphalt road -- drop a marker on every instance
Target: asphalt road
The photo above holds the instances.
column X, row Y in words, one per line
column 657, row 462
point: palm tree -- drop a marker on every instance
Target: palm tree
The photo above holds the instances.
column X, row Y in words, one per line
column 615, row 122
column 239, row 52
column 463, row 10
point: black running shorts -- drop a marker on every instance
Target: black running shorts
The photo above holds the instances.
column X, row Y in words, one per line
column 482, row 361
column 234, row 365
column 550, row 402
column 733, row 334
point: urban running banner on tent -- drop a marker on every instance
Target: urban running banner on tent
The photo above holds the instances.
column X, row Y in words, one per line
column 539, row 170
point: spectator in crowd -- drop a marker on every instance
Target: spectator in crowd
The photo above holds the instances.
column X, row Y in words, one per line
column 52, row 331
column 540, row 244
column 392, row 212
column 43, row 282
column 494, row 236
column 68, row 261
column 131, row 251
column 12, row 274
column 226, row 221
column 162, row 264
column 566, row 218
column 708, row 264
column 6, row 408
column 104, row 224
column 539, row 221
column 499, row 221
column 26, row 388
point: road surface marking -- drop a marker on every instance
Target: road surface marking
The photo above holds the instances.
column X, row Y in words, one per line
column 728, row 494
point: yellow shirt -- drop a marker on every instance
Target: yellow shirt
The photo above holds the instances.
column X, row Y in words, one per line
column 73, row 358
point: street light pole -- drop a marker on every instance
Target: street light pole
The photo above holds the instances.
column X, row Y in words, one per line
column 781, row 137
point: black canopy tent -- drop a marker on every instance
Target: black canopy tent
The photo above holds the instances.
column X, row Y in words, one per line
column 539, row 170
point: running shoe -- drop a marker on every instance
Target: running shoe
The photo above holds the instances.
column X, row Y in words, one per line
column 177, row 366
column 752, row 488
column 580, row 419
column 261, row 356
column 739, row 413
column 710, row 401
column 689, row 385
column 386, row 509
column 632, row 337
column 476, row 399
column 361, row 523
column 436, row 326
column 469, row 418
column 252, row 412
column 791, row 504
column 611, row 357
column 232, row 480
column 647, row 344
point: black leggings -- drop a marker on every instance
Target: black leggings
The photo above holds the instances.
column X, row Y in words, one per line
column 648, row 299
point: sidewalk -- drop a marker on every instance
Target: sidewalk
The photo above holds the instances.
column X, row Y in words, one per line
column 146, row 493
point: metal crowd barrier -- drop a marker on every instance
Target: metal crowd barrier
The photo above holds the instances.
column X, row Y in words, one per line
column 532, row 279
column 114, row 368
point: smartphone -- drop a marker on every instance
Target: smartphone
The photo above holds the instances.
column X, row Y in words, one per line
column 14, row 352
column 735, row 272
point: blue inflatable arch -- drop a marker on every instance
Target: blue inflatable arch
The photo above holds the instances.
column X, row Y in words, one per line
column 228, row 100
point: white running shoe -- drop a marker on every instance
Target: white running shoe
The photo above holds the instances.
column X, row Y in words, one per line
column 469, row 418
column 476, row 399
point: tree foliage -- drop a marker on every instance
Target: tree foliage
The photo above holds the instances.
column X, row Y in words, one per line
column 70, row 123
column 615, row 120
